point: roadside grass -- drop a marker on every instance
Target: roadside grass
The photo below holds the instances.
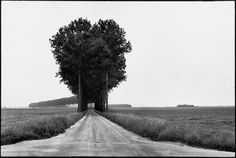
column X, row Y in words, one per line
column 11, row 117
column 38, row 128
column 182, row 131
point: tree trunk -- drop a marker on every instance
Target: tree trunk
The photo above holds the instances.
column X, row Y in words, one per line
column 96, row 104
column 84, row 97
column 79, row 109
column 101, row 101
column 106, row 95
column 85, row 106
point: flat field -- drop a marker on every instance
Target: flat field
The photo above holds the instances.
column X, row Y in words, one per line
column 11, row 117
column 27, row 124
column 208, row 127
column 206, row 117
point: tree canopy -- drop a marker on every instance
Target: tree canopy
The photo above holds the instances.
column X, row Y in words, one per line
column 92, row 51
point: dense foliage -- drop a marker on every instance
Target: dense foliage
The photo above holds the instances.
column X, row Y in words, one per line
column 91, row 58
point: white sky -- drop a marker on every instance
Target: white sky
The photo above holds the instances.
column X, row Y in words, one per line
column 183, row 52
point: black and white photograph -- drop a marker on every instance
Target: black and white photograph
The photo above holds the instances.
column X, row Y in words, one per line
column 118, row 78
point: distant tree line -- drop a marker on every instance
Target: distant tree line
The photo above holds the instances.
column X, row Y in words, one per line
column 62, row 102
column 185, row 105
column 120, row 105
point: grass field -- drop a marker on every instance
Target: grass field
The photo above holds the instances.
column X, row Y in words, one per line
column 208, row 127
column 26, row 124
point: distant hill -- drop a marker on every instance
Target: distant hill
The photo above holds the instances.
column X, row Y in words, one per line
column 62, row 102
column 68, row 102
column 185, row 105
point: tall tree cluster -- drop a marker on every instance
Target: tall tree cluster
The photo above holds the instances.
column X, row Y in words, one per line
column 91, row 59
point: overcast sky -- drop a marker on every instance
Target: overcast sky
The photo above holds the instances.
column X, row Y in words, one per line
column 183, row 52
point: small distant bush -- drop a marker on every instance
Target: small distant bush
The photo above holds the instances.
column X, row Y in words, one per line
column 185, row 105
column 44, row 127
column 161, row 130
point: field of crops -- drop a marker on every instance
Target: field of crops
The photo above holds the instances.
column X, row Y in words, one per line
column 207, row 117
column 208, row 127
column 27, row 124
column 10, row 117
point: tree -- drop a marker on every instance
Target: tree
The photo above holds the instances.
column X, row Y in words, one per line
column 69, row 48
column 111, row 36
column 91, row 59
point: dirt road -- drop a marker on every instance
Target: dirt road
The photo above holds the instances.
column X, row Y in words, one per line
column 94, row 135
